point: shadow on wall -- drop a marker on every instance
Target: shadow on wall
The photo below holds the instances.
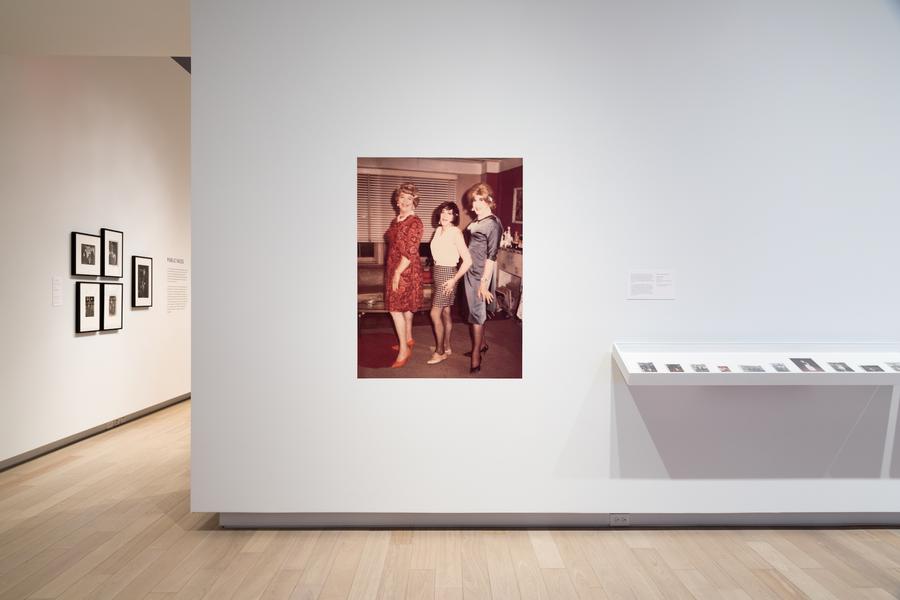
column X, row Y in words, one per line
column 755, row 432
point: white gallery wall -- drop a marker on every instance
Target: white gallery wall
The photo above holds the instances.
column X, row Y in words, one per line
column 96, row 27
column 89, row 143
column 750, row 147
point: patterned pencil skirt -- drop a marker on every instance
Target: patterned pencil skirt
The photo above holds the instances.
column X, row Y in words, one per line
column 441, row 275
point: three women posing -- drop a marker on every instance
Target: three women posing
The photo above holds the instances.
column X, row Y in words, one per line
column 403, row 281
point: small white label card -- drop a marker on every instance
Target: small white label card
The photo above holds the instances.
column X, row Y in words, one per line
column 651, row 284
column 56, row 291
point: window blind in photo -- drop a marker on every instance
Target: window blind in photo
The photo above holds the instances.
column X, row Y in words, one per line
column 374, row 209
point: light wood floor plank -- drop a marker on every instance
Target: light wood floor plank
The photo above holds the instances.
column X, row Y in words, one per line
column 559, row 585
column 343, row 570
column 580, row 572
column 804, row 582
column 396, row 569
column 371, row 566
column 475, row 575
column 448, row 570
column 546, row 551
column 528, row 569
column 500, row 566
column 421, row 585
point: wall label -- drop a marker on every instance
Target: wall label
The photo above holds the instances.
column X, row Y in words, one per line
column 651, row 284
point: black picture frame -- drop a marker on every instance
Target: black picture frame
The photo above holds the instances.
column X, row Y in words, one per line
column 86, row 259
column 112, row 246
column 112, row 304
column 141, row 282
column 517, row 206
column 87, row 306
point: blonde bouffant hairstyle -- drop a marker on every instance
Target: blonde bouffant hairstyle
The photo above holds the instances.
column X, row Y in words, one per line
column 406, row 188
column 481, row 191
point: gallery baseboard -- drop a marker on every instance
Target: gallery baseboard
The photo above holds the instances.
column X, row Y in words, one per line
column 549, row 520
column 77, row 437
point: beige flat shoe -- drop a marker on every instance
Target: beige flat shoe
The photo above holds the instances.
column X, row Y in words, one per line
column 436, row 358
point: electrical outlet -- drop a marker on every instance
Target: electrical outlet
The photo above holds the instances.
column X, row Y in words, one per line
column 619, row 519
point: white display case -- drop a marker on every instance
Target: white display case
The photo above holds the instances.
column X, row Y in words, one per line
column 826, row 364
column 736, row 357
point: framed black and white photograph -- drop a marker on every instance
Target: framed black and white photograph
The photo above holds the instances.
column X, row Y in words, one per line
column 780, row 367
column 111, row 307
column 872, row 368
column 752, row 369
column 87, row 307
column 86, row 250
column 700, row 368
column 141, row 281
column 517, row 213
column 112, row 244
column 647, row 367
column 841, row 367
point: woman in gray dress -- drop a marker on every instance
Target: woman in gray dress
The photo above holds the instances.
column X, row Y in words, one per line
column 480, row 280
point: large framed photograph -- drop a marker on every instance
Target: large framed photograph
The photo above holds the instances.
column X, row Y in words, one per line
column 112, row 243
column 141, row 281
column 87, row 307
column 517, row 213
column 111, row 307
column 85, row 254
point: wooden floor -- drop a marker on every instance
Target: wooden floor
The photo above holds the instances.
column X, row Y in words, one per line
column 109, row 518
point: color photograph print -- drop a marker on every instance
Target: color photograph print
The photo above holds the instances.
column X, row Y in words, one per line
column 439, row 267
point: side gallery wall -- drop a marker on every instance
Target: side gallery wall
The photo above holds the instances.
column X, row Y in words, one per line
column 89, row 143
column 747, row 147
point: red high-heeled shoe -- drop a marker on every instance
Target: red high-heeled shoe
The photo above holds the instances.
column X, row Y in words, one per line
column 409, row 344
column 401, row 362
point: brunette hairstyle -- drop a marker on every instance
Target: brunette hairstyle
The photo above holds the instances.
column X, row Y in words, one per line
column 452, row 207
column 481, row 191
column 406, row 188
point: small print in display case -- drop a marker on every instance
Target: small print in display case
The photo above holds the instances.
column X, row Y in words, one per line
column 807, row 365
column 113, row 244
column 752, row 369
column 894, row 365
column 647, row 367
column 87, row 308
column 675, row 368
column 111, row 312
column 872, row 368
column 700, row 368
column 841, row 367
column 85, row 254
column 780, row 367
column 141, row 281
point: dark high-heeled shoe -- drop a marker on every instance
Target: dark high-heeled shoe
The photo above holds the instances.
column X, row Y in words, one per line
column 484, row 350
column 477, row 369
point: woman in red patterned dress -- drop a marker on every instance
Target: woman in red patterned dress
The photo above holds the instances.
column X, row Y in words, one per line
column 403, row 275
